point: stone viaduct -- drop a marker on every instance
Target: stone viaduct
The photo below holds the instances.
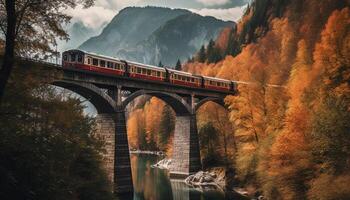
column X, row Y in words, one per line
column 110, row 95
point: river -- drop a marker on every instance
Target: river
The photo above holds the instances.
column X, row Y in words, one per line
column 155, row 184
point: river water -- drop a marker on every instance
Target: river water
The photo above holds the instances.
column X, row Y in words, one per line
column 154, row 184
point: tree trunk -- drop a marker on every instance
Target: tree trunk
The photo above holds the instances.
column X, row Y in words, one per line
column 8, row 61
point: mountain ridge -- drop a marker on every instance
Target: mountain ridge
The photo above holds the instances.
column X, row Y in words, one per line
column 140, row 34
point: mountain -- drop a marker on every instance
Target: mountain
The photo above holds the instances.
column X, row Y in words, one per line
column 78, row 33
column 153, row 34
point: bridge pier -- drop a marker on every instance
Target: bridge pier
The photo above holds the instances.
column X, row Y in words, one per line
column 186, row 155
column 105, row 131
column 122, row 165
column 111, row 127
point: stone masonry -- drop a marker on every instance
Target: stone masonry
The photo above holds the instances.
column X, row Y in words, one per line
column 105, row 131
column 116, row 161
column 186, row 158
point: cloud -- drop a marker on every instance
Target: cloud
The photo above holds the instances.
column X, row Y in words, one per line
column 93, row 17
column 101, row 13
column 213, row 2
column 230, row 14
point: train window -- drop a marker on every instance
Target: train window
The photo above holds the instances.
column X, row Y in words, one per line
column 192, row 79
column 94, row 61
column 89, row 61
column 148, row 72
column 188, row 79
column 65, row 57
column 139, row 70
column 109, row 64
column 158, row 74
column 102, row 63
column 72, row 57
column 144, row 71
column 80, row 58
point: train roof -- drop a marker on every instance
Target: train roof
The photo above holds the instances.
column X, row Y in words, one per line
column 180, row 72
column 216, row 79
column 95, row 54
column 117, row 59
column 146, row 66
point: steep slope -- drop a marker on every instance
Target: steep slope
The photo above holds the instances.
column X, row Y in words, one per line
column 289, row 135
column 179, row 38
column 153, row 34
column 130, row 26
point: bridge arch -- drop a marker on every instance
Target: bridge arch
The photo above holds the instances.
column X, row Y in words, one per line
column 218, row 101
column 179, row 105
column 102, row 102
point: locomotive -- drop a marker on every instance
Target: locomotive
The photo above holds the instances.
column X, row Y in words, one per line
column 78, row 59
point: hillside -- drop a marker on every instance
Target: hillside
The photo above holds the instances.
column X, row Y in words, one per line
column 142, row 34
column 284, row 133
column 291, row 116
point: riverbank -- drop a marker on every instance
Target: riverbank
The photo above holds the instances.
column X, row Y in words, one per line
column 215, row 178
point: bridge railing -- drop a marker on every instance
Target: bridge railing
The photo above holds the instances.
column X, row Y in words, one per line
column 40, row 61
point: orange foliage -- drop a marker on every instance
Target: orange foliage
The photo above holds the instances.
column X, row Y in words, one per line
column 306, row 51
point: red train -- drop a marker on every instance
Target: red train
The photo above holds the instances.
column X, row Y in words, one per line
column 78, row 59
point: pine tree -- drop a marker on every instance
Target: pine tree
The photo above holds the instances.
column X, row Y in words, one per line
column 231, row 44
column 202, row 55
column 178, row 65
column 210, row 51
column 160, row 64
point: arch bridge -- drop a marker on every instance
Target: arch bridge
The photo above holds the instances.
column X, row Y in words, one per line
column 108, row 95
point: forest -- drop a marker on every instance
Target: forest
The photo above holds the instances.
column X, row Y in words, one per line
column 287, row 132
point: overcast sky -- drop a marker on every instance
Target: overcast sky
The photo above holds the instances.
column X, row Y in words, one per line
column 104, row 10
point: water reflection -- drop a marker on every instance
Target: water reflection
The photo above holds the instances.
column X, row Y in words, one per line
column 154, row 184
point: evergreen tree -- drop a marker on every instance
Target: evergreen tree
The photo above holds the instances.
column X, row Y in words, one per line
column 231, row 44
column 178, row 65
column 202, row 55
column 160, row 64
column 213, row 52
column 210, row 51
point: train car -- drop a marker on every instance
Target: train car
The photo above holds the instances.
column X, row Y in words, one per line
column 183, row 78
column 82, row 60
column 216, row 83
column 147, row 72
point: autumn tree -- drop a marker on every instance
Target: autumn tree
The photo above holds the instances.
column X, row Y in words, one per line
column 167, row 125
column 31, row 27
column 48, row 147
column 208, row 137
